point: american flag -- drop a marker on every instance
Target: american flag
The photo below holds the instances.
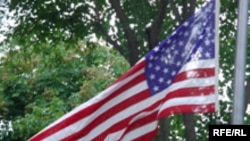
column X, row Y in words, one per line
column 177, row 76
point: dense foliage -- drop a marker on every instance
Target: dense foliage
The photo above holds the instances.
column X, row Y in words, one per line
column 41, row 83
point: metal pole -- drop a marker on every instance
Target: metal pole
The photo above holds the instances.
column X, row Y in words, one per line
column 217, row 21
column 240, row 64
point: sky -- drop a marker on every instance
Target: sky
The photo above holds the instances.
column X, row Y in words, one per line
column 5, row 20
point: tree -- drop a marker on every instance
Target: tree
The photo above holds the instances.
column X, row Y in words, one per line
column 132, row 29
column 41, row 83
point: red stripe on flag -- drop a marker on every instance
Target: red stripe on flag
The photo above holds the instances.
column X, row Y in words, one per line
column 193, row 91
column 195, row 73
column 208, row 108
column 147, row 137
column 140, row 122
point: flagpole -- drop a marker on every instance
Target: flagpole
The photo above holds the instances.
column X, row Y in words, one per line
column 217, row 13
column 240, row 64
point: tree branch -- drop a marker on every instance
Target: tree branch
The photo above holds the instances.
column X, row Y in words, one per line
column 132, row 40
column 162, row 6
column 154, row 30
column 184, row 10
column 175, row 10
column 191, row 7
column 100, row 27
column 109, row 39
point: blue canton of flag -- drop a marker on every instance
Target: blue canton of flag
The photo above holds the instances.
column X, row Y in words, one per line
column 192, row 41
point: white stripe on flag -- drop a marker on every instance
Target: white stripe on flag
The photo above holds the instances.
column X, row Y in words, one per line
column 142, row 130
column 112, row 136
column 189, row 83
column 191, row 100
column 199, row 64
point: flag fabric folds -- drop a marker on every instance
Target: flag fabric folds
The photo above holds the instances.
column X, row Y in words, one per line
column 177, row 76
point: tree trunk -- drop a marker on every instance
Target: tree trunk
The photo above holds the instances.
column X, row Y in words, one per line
column 189, row 123
column 163, row 132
